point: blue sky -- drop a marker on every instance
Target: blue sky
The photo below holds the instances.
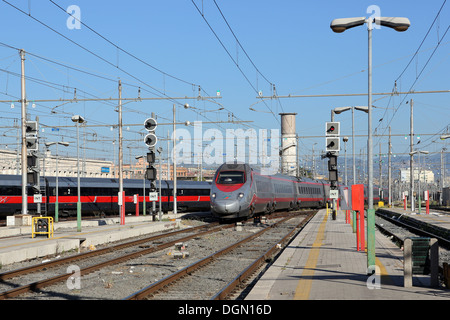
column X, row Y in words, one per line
column 290, row 42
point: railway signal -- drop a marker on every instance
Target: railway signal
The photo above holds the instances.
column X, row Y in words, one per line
column 31, row 140
column 150, row 173
column 33, row 171
column 332, row 144
column 332, row 132
column 332, row 128
column 31, row 135
column 150, row 140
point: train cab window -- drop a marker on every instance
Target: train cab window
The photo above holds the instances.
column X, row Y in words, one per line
column 231, row 177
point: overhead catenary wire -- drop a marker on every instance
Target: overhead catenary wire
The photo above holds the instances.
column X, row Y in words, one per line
column 123, row 50
column 231, row 57
column 160, row 93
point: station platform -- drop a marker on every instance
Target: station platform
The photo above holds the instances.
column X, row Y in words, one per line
column 17, row 244
column 322, row 263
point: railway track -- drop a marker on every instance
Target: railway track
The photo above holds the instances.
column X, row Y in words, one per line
column 417, row 228
column 125, row 251
column 118, row 271
column 399, row 229
column 219, row 274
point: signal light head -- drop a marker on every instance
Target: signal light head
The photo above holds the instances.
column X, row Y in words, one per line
column 332, row 128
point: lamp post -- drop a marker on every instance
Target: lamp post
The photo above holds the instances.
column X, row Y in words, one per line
column 160, row 150
column 48, row 144
column 345, row 139
column 338, row 26
column 418, row 177
column 143, row 182
column 343, row 109
column 78, row 119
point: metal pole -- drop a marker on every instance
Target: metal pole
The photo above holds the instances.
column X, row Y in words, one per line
column 121, row 207
column 143, row 182
column 57, row 194
column 370, row 211
column 24, row 139
column 174, row 165
column 418, row 182
column 381, row 176
column 353, row 145
column 411, row 157
column 389, row 171
column 370, row 142
column 78, row 181
column 441, row 183
column 160, row 194
column 168, row 156
column 38, row 184
column 345, row 162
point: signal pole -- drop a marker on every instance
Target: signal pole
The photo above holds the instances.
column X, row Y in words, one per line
column 174, row 165
column 24, row 141
column 411, row 159
column 122, row 203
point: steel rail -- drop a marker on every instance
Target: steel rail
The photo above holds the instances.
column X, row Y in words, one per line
column 444, row 242
column 156, row 286
column 85, row 255
column 46, row 282
column 244, row 275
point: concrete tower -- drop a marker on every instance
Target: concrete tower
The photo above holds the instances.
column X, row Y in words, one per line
column 288, row 144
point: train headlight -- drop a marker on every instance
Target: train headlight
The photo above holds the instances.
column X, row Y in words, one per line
column 213, row 195
column 241, row 195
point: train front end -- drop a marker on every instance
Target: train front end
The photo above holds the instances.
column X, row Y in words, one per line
column 230, row 192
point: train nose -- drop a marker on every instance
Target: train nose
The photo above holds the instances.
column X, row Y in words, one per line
column 225, row 206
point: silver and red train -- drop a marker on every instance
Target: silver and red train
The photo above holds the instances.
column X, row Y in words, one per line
column 241, row 191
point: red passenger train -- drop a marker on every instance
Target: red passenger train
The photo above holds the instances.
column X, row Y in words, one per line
column 99, row 195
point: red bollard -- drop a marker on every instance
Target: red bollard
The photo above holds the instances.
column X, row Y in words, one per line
column 358, row 206
column 122, row 213
column 427, row 198
column 136, row 201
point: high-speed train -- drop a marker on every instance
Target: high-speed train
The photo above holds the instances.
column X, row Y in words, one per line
column 241, row 191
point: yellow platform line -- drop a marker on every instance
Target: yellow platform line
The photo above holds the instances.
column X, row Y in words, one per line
column 304, row 285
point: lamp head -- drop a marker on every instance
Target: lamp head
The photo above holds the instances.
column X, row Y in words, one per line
column 399, row 24
column 340, row 25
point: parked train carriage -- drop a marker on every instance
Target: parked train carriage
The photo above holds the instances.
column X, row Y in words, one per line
column 191, row 195
column 11, row 195
column 99, row 195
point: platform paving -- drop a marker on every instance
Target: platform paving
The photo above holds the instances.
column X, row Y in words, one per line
column 322, row 263
column 16, row 243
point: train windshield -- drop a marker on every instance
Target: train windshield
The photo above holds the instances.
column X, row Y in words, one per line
column 231, row 177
